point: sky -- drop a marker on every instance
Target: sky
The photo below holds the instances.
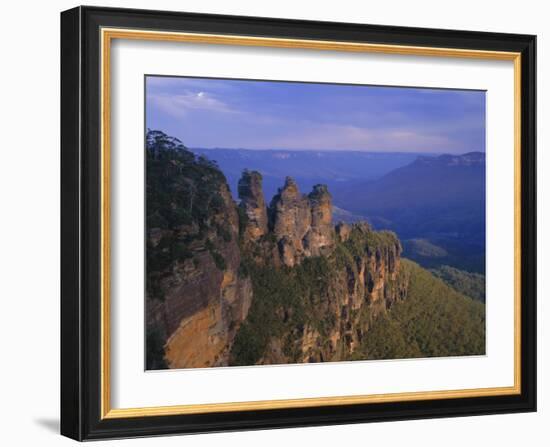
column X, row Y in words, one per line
column 241, row 114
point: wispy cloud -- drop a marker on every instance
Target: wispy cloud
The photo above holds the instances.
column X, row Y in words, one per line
column 347, row 137
column 156, row 84
column 279, row 115
column 180, row 104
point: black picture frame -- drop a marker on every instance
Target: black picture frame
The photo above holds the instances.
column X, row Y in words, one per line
column 81, row 223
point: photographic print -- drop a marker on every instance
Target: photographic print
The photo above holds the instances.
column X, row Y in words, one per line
column 253, row 206
column 293, row 222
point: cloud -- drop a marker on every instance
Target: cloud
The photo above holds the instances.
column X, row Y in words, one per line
column 269, row 115
column 181, row 104
column 348, row 137
column 417, row 141
column 327, row 136
column 156, row 84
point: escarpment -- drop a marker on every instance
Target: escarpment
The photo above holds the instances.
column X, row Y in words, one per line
column 316, row 301
column 247, row 283
column 195, row 297
column 205, row 300
column 321, row 309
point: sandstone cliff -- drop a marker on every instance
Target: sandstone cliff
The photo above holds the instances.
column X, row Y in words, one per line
column 203, row 302
column 244, row 283
column 321, row 309
column 196, row 299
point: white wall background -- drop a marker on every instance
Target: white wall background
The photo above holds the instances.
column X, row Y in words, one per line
column 29, row 222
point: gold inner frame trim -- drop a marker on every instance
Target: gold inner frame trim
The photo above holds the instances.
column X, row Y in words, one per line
column 107, row 35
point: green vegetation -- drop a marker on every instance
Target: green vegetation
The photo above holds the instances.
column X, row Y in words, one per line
column 182, row 195
column 424, row 248
column 362, row 241
column 434, row 321
column 243, row 220
column 181, row 189
column 219, row 260
column 288, row 299
column 436, row 252
column 186, row 213
column 154, row 357
column 469, row 284
column 284, row 301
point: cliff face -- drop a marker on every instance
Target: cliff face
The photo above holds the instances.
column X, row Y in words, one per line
column 248, row 284
column 368, row 282
column 325, row 305
column 196, row 299
column 204, row 302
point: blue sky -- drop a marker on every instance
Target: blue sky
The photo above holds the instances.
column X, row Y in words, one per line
column 220, row 113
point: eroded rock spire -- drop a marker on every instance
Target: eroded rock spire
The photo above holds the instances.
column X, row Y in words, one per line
column 253, row 203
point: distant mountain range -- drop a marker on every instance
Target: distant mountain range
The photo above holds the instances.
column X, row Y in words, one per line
column 435, row 201
column 444, row 187
column 308, row 168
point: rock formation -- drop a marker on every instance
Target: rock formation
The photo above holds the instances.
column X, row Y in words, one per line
column 343, row 231
column 302, row 225
column 290, row 215
column 320, row 237
column 253, row 204
column 364, row 280
column 207, row 263
column 205, row 301
column 245, row 284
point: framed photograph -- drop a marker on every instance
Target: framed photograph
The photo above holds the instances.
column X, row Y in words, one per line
column 276, row 223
